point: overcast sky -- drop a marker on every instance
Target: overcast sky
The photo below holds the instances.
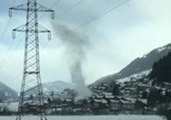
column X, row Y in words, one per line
column 116, row 38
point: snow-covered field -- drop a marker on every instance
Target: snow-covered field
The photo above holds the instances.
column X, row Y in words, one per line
column 119, row 117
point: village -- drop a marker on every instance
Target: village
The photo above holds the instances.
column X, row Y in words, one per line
column 127, row 97
column 124, row 98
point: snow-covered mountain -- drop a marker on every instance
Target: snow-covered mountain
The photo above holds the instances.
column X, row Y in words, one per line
column 6, row 92
column 52, row 87
column 138, row 65
column 56, row 86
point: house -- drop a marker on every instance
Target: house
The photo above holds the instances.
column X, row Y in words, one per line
column 127, row 105
column 98, row 103
column 115, row 104
column 141, row 103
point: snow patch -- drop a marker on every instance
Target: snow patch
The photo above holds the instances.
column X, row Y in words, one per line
column 163, row 48
column 144, row 56
column 135, row 76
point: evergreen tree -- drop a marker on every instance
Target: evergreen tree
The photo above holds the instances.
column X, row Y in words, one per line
column 115, row 89
column 161, row 70
column 153, row 96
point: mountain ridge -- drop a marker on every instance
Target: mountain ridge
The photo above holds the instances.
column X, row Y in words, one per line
column 137, row 65
column 6, row 92
column 56, row 86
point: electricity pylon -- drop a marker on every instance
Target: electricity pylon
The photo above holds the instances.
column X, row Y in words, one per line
column 31, row 94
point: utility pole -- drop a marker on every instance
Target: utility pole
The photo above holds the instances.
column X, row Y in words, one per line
column 31, row 95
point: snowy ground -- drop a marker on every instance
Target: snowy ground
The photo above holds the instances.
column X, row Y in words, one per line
column 119, row 117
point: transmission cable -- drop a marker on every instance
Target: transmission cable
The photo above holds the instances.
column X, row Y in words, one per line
column 99, row 16
column 4, row 61
column 103, row 14
column 70, row 8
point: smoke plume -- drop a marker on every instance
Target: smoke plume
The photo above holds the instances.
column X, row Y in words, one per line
column 76, row 46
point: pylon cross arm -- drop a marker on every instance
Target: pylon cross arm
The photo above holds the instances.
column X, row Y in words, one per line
column 40, row 8
column 23, row 28
column 19, row 7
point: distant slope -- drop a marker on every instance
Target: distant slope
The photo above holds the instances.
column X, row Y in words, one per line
column 57, row 86
column 138, row 65
column 49, row 87
column 6, row 92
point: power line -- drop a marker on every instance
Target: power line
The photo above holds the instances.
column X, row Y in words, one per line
column 103, row 14
column 87, row 22
column 56, row 3
column 6, row 54
column 5, row 60
column 70, row 8
column 53, row 6
column 62, row 14
column 99, row 16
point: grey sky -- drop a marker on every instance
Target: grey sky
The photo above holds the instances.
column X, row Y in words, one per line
column 117, row 38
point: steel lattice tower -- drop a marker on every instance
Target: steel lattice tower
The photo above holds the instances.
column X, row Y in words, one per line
column 31, row 94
